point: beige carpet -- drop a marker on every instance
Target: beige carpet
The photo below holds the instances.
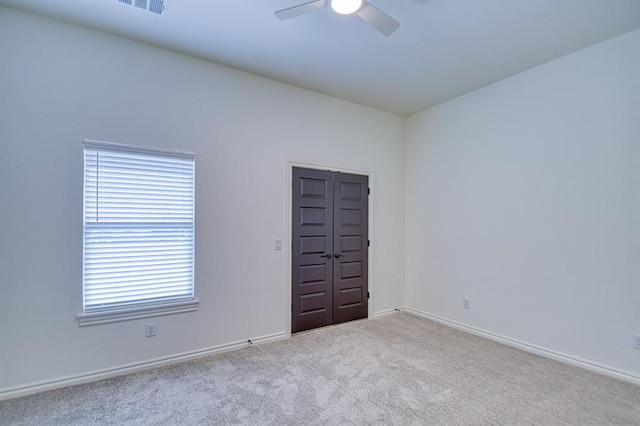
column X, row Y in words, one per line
column 397, row 369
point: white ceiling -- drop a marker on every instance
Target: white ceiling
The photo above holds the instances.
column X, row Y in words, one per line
column 443, row 48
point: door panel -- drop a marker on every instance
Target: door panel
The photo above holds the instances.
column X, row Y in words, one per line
column 312, row 303
column 350, row 243
column 314, row 244
column 312, row 227
column 351, row 296
column 330, row 248
column 350, row 234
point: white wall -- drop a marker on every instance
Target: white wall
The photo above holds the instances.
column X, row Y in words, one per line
column 60, row 84
column 525, row 197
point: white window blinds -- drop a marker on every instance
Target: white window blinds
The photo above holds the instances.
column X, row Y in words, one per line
column 138, row 227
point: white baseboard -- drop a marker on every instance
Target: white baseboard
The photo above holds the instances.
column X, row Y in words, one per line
column 386, row 312
column 107, row 373
column 97, row 375
column 548, row 353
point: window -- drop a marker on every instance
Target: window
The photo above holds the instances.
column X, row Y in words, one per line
column 138, row 233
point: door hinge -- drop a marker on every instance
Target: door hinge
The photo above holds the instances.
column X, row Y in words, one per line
column 368, row 243
column 368, row 295
column 368, row 191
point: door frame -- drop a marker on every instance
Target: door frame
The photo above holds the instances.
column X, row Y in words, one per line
column 287, row 241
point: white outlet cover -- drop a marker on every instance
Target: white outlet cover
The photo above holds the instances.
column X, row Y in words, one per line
column 150, row 329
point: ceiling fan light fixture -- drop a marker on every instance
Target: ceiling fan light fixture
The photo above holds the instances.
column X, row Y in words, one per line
column 346, row 7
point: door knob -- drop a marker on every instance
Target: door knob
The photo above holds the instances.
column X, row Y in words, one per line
column 337, row 255
column 328, row 256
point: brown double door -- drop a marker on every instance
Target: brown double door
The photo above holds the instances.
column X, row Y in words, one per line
column 330, row 248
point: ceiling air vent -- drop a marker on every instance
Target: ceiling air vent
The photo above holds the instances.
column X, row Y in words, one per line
column 157, row 6
column 154, row 6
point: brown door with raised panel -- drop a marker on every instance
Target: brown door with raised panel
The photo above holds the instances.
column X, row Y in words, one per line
column 330, row 248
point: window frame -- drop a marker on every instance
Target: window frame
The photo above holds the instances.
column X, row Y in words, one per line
column 141, row 309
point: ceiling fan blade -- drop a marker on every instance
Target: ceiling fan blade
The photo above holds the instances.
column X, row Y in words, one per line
column 378, row 19
column 301, row 9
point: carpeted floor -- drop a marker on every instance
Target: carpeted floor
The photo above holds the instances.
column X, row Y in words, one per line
column 397, row 369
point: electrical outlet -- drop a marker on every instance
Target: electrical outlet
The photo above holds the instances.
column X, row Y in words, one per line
column 636, row 341
column 467, row 303
column 150, row 329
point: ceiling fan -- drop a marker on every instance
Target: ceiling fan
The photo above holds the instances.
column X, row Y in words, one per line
column 365, row 10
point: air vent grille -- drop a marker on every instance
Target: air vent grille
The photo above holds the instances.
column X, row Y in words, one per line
column 154, row 6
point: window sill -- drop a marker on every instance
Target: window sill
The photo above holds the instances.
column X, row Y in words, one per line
column 98, row 318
